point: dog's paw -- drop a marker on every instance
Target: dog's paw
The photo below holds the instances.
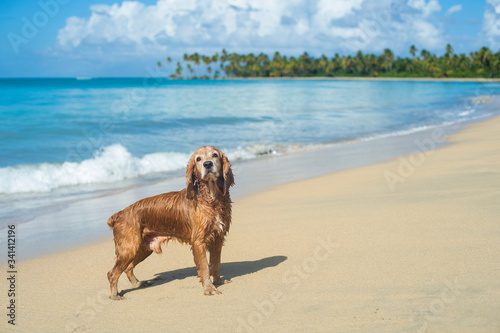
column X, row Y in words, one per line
column 211, row 290
column 220, row 282
column 116, row 298
column 143, row 284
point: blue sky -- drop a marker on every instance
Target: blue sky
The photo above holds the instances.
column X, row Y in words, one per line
column 54, row 38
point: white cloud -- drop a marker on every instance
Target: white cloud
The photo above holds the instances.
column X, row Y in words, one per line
column 454, row 9
column 327, row 10
column 427, row 8
column 495, row 4
column 426, row 34
column 318, row 26
column 491, row 23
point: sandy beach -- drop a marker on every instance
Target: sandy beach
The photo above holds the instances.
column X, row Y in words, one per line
column 409, row 245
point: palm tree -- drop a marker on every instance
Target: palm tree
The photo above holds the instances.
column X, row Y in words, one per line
column 215, row 57
column 196, row 60
column 215, row 60
column 206, row 60
column 347, row 64
column 168, row 60
column 449, row 51
column 409, row 66
column 190, row 69
column 389, row 58
column 484, row 56
column 263, row 59
column 223, row 56
column 359, row 62
column 178, row 70
column 425, row 54
column 413, row 51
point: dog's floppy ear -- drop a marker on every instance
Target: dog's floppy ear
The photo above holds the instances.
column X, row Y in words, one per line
column 190, row 179
column 227, row 174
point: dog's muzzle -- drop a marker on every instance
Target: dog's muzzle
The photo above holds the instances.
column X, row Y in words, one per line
column 208, row 165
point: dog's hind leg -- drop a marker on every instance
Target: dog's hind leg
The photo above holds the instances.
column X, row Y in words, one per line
column 113, row 275
column 126, row 251
column 143, row 253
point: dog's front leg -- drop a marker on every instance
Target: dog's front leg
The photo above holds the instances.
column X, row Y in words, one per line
column 200, row 259
column 215, row 255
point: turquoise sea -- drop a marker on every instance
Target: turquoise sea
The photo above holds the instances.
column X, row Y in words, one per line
column 81, row 135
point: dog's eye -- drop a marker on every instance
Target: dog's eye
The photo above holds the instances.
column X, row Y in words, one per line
column 198, row 159
column 215, row 155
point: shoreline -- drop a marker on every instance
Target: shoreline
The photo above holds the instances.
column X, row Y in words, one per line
column 341, row 251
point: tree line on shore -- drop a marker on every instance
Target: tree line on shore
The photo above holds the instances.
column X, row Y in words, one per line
column 480, row 64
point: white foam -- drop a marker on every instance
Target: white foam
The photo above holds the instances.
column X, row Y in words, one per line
column 481, row 99
column 466, row 113
column 111, row 164
column 413, row 130
column 260, row 149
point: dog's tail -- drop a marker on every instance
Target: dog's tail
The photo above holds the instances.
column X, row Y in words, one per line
column 112, row 220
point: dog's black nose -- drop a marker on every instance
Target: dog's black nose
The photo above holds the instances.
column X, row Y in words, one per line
column 208, row 164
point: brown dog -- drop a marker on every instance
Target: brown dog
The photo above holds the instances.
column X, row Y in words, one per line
column 199, row 215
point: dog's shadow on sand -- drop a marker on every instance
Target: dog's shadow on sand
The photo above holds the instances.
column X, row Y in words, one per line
column 228, row 271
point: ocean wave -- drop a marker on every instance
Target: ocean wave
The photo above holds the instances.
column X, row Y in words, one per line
column 261, row 149
column 483, row 99
column 110, row 164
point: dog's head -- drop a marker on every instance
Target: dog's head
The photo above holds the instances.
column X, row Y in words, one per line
column 208, row 164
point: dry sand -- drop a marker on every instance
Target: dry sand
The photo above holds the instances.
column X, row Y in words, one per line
column 339, row 253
